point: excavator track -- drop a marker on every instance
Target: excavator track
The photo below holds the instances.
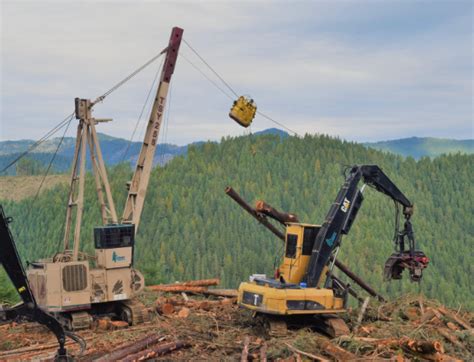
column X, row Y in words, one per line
column 276, row 327
column 335, row 327
column 80, row 321
column 134, row 312
column 273, row 326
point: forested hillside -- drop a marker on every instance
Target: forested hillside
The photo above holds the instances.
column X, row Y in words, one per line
column 190, row 229
column 117, row 150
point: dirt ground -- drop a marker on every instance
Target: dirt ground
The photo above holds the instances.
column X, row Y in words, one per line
column 410, row 328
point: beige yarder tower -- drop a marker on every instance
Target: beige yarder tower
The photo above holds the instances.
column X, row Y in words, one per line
column 74, row 285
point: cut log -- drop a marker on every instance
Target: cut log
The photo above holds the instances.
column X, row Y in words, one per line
column 423, row 347
column 118, row 325
column 455, row 318
column 155, row 351
column 131, row 348
column 263, row 353
column 36, row 348
column 306, row 354
column 165, row 308
column 258, row 216
column 280, row 216
column 190, row 283
column 184, row 312
column 450, row 337
column 177, row 288
column 102, row 324
column 245, row 350
column 335, row 351
column 411, row 313
column 229, row 293
column 357, row 279
column 441, row 357
column 228, row 301
column 421, row 304
column 452, row 326
column 411, row 345
column 362, row 311
column 428, row 315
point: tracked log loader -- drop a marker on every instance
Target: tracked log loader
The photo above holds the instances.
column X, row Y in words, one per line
column 304, row 286
column 28, row 308
column 75, row 286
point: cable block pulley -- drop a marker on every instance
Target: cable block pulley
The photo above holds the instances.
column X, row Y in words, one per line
column 243, row 111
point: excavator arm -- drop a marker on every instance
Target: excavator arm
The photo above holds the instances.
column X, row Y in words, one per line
column 28, row 309
column 342, row 215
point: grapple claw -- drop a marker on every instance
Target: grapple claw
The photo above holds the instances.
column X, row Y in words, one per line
column 398, row 262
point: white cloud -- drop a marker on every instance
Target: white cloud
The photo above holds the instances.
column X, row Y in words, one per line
column 301, row 62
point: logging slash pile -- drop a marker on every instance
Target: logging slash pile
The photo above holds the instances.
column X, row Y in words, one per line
column 190, row 321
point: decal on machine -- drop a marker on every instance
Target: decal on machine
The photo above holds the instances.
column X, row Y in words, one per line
column 116, row 257
column 345, row 205
column 118, row 287
column 330, row 240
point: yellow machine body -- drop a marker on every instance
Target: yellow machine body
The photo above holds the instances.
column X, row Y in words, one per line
column 243, row 111
column 285, row 295
column 266, row 298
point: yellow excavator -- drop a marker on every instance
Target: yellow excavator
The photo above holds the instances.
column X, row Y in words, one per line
column 304, row 284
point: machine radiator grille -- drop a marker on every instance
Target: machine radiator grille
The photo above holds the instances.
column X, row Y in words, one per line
column 74, row 278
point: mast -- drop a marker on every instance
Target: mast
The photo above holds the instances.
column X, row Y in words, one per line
column 86, row 136
column 139, row 184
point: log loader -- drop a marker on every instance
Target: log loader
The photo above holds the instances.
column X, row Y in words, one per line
column 303, row 285
column 28, row 308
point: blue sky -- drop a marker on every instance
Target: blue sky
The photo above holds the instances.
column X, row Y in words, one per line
column 360, row 70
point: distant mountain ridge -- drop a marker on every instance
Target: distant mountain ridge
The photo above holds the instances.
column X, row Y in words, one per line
column 115, row 149
column 418, row 147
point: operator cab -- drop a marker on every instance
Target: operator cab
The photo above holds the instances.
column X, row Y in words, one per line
column 298, row 248
column 114, row 245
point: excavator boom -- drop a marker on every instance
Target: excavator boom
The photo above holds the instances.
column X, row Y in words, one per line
column 28, row 309
column 343, row 213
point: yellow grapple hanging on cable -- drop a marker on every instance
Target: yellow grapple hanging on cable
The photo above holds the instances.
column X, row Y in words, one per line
column 243, row 111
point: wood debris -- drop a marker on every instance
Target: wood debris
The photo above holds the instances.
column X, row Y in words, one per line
column 215, row 328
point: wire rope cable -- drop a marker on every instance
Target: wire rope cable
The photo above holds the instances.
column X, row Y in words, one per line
column 52, row 160
column 49, row 167
column 278, row 123
column 212, row 69
column 39, row 142
column 206, row 76
column 229, row 87
column 97, row 100
column 130, row 76
column 142, row 111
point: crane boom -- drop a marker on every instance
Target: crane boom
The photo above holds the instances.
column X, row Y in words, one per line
column 139, row 184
